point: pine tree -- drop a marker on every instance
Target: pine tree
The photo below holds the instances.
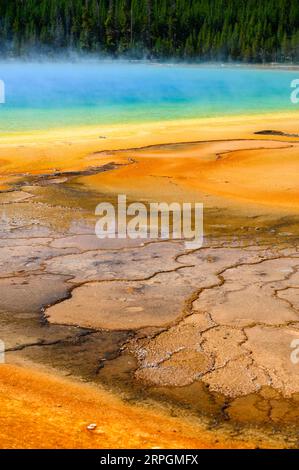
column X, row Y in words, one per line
column 250, row 30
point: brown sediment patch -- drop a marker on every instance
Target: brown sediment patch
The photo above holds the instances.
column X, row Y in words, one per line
column 289, row 294
column 90, row 242
column 63, row 176
column 271, row 349
column 157, row 293
column 276, row 133
column 19, row 259
column 133, row 263
column 30, row 293
column 14, row 196
column 253, row 288
column 182, row 368
column 263, row 407
column 119, row 305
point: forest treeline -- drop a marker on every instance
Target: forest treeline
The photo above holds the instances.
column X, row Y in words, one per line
column 201, row 30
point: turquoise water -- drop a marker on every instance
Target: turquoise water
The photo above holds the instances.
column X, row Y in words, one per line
column 41, row 96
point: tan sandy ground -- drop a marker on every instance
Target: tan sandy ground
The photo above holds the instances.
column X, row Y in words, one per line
column 42, row 411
